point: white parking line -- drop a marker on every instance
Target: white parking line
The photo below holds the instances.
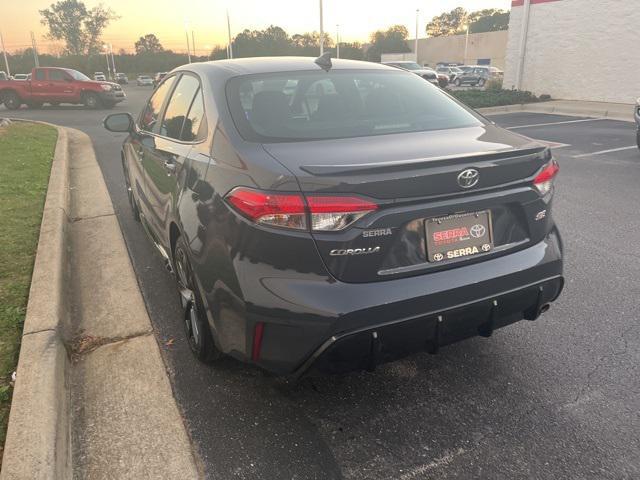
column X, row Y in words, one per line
column 602, row 152
column 556, row 123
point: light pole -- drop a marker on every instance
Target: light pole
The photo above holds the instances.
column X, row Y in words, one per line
column 186, row 32
column 4, row 53
column 338, row 41
column 416, row 44
column 229, row 35
column 321, row 30
column 466, row 45
column 113, row 60
column 105, row 47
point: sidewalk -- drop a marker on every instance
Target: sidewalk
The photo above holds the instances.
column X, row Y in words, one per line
column 92, row 396
column 615, row 111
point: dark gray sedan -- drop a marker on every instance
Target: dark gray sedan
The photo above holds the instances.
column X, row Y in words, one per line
column 331, row 215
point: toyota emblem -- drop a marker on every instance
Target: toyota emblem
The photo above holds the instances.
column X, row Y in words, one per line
column 477, row 230
column 468, row 178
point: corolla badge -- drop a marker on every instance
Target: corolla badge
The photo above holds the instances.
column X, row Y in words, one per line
column 339, row 252
column 468, row 178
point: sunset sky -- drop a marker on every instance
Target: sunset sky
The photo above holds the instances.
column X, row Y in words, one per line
column 167, row 18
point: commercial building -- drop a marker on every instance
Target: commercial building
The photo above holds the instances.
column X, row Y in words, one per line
column 575, row 49
column 481, row 49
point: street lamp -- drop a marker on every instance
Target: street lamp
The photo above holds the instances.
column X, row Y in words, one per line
column 321, row 30
column 466, row 44
column 105, row 47
column 186, row 32
column 416, row 44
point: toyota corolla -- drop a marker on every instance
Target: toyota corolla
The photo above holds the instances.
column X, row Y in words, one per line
column 328, row 215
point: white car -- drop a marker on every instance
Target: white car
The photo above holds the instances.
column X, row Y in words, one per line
column 21, row 76
column 144, row 80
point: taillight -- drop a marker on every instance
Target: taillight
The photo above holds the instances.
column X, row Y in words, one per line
column 289, row 210
column 544, row 180
column 336, row 213
column 279, row 210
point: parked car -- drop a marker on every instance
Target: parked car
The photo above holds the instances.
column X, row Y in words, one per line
column 443, row 79
column 122, row 79
column 21, row 76
column 158, row 78
column 59, row 85
column 424, row 72
column 144, row 80
column 451, row 72
column 99, row 77
column 637, row 117
column 382, row 219
column 476, row 76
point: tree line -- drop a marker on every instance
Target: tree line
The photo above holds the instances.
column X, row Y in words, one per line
column 80, row 30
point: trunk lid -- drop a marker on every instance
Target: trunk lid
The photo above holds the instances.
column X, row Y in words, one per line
column 414, row 177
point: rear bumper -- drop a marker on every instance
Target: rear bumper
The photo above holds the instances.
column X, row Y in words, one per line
column 333, row 326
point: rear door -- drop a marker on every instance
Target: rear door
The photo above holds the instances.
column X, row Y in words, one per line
column 179, row 129
column 39, row 85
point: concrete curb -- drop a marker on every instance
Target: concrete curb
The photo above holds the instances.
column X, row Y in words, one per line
column 38, row 437
column 613, row 111
column 89, row 413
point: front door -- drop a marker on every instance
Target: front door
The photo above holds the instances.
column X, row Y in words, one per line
column 61, row 88
column 173, row 143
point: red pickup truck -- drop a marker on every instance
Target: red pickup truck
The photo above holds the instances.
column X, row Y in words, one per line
column 59, row 85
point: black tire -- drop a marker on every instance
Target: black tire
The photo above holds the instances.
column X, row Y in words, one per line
column 457, row 82
column 91, row 100
column 194, row 317
column 132, row 199
column 11, row 100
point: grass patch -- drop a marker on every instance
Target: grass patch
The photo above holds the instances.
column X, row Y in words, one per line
column 494, row 97
column 26, row 151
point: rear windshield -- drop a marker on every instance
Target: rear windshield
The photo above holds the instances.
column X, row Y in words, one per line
column 296, row 106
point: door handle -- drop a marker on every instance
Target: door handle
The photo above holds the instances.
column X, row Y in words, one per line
column 170, row 167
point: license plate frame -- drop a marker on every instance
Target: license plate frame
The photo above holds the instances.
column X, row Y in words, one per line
column 457, row 236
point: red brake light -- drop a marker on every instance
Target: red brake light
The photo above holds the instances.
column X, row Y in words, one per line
column 544, row 180
column 288, row 210
column 280, row 210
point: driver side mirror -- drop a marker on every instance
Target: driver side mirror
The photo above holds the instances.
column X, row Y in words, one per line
column 119, row 123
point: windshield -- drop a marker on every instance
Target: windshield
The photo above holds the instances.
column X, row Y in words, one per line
column 297, row 106
column 77, row 75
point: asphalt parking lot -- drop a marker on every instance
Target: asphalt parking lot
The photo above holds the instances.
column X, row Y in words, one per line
column 555, row 398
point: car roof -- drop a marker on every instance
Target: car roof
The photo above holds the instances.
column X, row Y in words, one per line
column 253, row 65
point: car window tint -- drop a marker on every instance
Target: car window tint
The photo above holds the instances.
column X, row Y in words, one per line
column 178, row 106
column 149, row 118
column 56, row 76
column 195, row 125
column 40, row 75
column 298, row 106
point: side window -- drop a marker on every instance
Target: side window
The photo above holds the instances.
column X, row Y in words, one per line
column 40, row 75
column 178, row 106
column 149, row 117
column 56, row 76
column 195, row 125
